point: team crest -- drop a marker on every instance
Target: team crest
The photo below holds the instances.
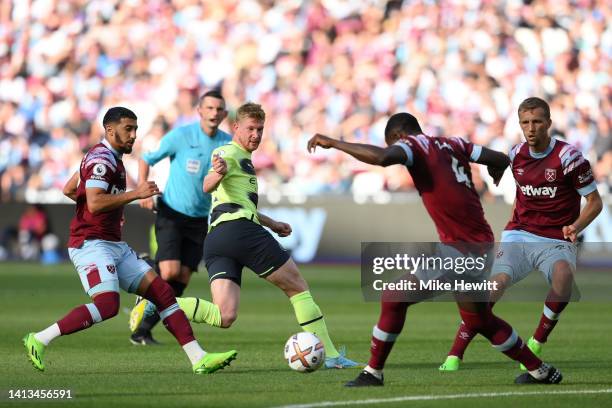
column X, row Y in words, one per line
column 111, row 268
column 499, row 254
column 550, row 174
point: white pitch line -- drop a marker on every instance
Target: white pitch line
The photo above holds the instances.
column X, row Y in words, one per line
column 443, row 397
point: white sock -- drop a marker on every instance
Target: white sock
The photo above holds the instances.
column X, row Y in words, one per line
column 541, row 372
column 376, row 373
column 194, row 351
column 48, row 334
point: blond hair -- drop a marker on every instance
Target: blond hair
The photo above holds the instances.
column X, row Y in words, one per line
column 251, row 110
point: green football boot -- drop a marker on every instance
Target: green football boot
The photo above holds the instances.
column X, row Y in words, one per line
column 535, row 347
column 212, row 362
column 35, row 351
column 451, row 363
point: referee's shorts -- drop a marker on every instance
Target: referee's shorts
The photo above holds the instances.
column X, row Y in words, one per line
column 179, row 236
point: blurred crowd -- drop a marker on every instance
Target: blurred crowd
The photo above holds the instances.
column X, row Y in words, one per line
column 338, row 67
column 31, row 239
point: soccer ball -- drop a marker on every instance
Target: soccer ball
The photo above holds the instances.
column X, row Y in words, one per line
column 304, row 352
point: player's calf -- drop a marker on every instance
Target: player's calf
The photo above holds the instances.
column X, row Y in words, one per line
column 161, row 294
column 464, row 335
column 228, row 317
column 506, row 340
column 550, row 317
column 105, row 305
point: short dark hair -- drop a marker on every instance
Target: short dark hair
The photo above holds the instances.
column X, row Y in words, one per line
column 214, row 93
column 402, row 122
column 534, row 103
column 115, row 114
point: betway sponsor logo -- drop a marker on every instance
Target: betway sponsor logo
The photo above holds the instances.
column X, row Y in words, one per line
column 531, row 191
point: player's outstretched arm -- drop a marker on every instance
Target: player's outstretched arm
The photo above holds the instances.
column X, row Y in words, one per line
column 496, row 163
column 281, row 228
column 587, row 215
column 370, row 154
column 98, row 200
column 70, row 188
column 213, row 178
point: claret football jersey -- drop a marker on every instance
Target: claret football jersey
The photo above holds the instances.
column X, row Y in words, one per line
column 100, row 168
column 548, row 188
column 440, row 168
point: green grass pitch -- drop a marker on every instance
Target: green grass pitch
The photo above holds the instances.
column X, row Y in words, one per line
column 103, row 369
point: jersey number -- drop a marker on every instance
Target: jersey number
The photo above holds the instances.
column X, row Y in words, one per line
column 460, row 172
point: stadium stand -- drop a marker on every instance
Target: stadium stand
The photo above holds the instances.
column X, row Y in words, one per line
column 332, row 66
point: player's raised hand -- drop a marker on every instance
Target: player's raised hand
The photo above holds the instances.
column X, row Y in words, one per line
column 282, row 229
column 219, row 164
column 147, row 189
column 496, row 173
column 570, row 232
column 321, row 141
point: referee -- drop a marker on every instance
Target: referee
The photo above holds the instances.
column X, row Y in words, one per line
column 182, row 210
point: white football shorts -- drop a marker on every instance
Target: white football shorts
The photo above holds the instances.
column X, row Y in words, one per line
column 521, row 252
column 107, row 266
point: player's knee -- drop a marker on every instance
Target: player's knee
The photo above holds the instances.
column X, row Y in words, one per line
column 170, row 270
column 562, row 272
column 501, row 282
column 228, row 317
column 170, row 275
column 562, row 280
column 107, row 304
